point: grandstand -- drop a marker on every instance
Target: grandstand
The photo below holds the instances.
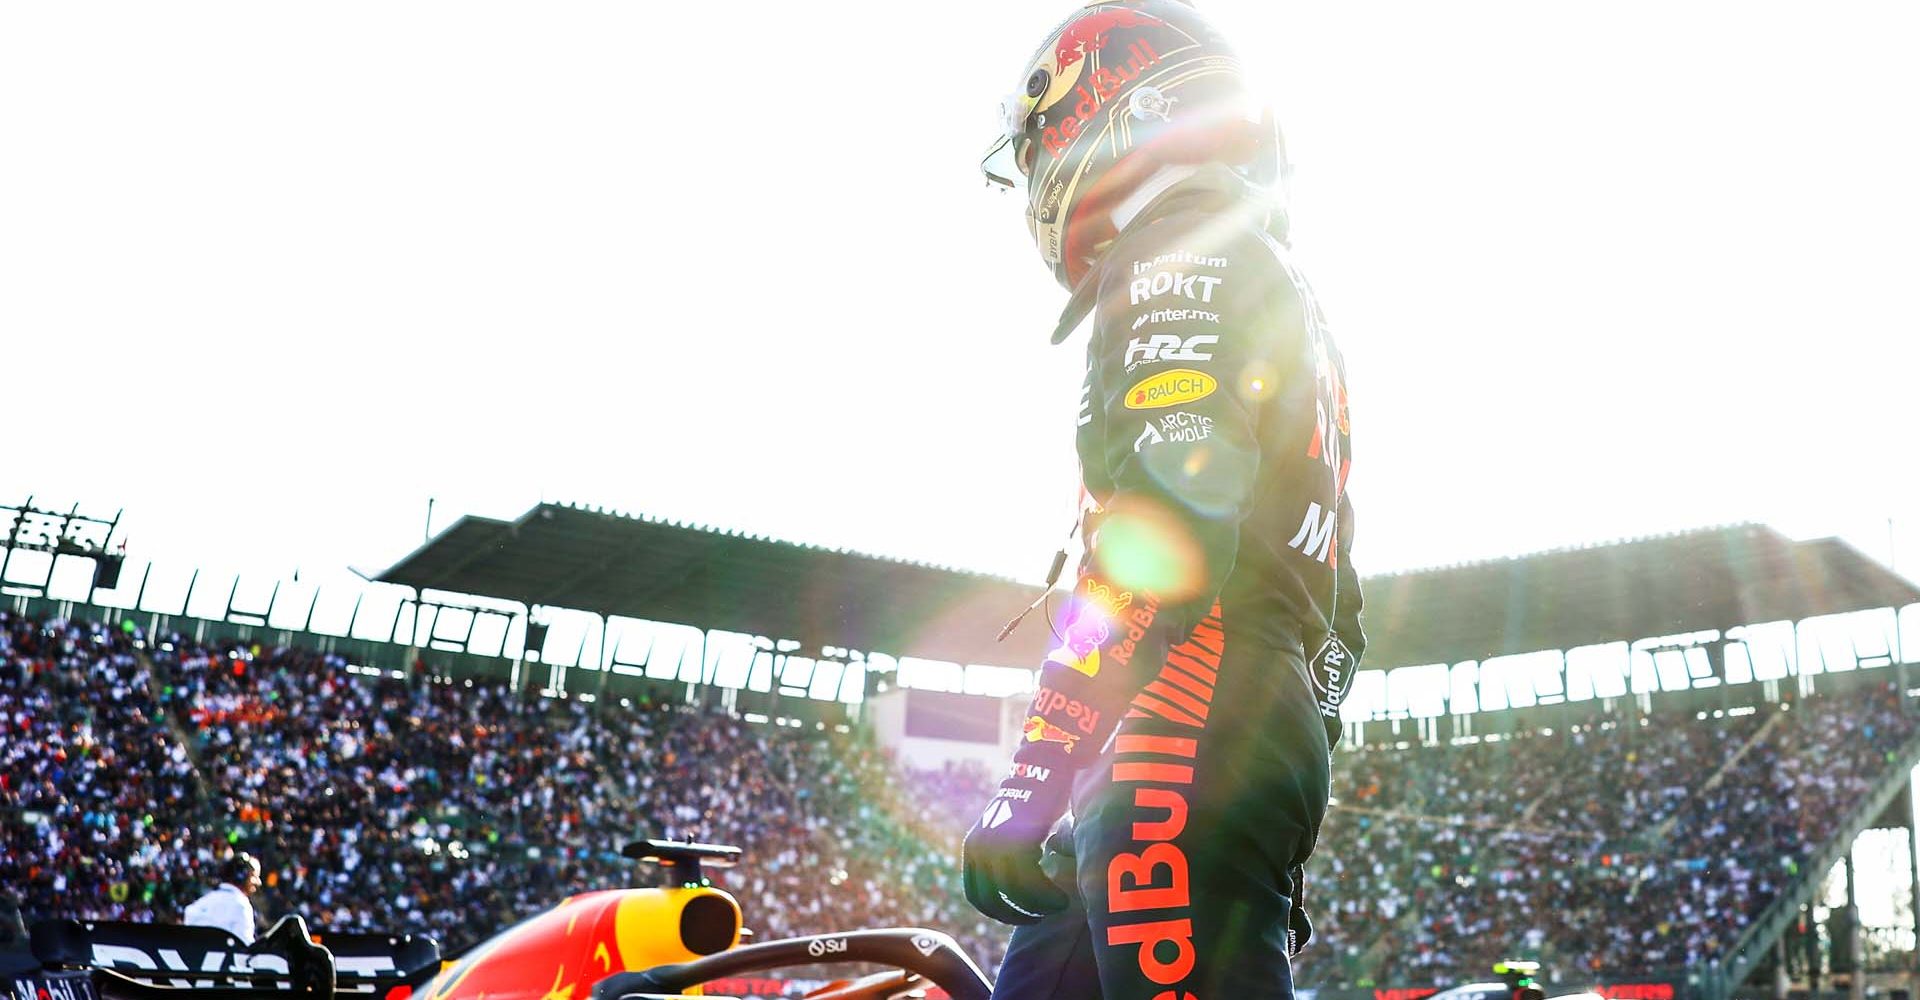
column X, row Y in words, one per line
column 1638, row 763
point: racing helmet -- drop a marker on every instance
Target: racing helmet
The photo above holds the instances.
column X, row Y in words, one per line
column 1119, row 92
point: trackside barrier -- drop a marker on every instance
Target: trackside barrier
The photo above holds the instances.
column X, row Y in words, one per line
column 1658, row 984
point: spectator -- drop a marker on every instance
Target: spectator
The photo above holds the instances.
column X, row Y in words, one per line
column 228, row 907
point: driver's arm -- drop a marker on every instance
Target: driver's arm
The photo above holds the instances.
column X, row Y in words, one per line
column 1179, row 383
column 1174, row 462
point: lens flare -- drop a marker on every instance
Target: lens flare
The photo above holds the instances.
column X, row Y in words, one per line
column 1258, row 380
column 1143, row 547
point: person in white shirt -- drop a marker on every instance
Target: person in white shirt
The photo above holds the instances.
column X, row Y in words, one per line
column 228, row 907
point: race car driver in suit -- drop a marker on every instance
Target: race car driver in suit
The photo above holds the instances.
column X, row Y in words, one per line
column 1173, row 768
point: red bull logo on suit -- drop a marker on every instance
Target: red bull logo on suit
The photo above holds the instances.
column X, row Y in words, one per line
column 1039, row 730
column 1160, row 769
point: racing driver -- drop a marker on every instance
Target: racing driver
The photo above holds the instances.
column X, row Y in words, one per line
column 1187, row 708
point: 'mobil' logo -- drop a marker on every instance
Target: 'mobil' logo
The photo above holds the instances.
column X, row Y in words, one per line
column 1181, row 385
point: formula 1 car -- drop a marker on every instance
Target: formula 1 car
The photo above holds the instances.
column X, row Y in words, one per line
column 615, row 944
column 1518, row 981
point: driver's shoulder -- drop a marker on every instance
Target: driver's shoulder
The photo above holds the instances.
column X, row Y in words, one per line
column 1193, row 259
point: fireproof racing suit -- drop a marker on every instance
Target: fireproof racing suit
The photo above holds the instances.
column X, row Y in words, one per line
column 1189, row 709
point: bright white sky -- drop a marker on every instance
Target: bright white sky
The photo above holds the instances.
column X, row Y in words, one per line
column 271, row 275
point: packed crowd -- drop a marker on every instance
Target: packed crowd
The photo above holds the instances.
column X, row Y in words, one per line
column 380, row 803
column 100, row 805
column 1638, row 845
column 467, row 801
column 130, row 766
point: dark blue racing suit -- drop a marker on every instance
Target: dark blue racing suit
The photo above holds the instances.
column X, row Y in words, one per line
column 1213, row 628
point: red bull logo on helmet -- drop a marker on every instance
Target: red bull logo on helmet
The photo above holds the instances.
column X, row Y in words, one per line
column 1089, row 34
column 1105, row 85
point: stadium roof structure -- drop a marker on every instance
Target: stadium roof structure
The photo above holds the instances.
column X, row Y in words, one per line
column 638, row 567
column 1710, row 578
column 629, row 566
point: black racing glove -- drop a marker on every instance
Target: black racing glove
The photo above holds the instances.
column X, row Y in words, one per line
column 1000, row 859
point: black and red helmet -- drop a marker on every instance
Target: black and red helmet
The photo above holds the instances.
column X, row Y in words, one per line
column 1119, row 92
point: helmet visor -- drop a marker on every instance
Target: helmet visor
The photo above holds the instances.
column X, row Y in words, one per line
column 1009, row 161
column 1001, row 166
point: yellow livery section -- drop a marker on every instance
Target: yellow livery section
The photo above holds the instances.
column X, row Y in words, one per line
column 562, row 953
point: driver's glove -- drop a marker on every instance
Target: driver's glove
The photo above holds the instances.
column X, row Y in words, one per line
column 1000, row 860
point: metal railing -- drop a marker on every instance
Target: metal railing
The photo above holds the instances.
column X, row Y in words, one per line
column 1751, row 948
